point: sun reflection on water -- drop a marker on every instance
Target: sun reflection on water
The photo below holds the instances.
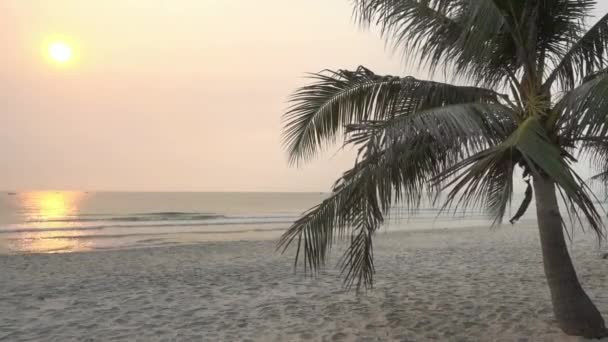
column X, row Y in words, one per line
column 51, row 209
column 50, row 205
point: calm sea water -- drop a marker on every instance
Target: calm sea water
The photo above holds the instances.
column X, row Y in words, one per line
column 44, row 222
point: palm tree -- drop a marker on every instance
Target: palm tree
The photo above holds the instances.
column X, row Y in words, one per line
column 530, row 91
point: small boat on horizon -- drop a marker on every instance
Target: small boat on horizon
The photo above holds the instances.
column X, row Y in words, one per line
column 11, row 193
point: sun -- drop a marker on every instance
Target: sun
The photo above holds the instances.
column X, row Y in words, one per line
column 60, row 52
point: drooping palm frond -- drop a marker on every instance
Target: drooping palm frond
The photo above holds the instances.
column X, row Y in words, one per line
column 525, row 203
column 392, row 168
column 470, row 126
column 485, row 178
column 543, row 157
column 585, row 56
column 357, row 207
column 337, row 98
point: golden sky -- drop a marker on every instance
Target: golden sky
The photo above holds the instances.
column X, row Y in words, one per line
column 166, row 94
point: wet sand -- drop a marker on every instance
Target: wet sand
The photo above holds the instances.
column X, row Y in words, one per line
column 456, row 285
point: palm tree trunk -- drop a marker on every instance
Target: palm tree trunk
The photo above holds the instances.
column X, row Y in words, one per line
column 574, row 311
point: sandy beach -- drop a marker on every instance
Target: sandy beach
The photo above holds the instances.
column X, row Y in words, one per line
column 457, row 285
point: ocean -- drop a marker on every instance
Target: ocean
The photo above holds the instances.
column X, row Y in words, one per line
column 69, row 221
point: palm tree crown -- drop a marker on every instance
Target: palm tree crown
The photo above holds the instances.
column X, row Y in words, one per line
column 536, row 97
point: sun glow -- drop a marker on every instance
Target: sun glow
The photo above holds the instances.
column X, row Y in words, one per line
column 48, row 210
column 60, row 52
column 50, row 205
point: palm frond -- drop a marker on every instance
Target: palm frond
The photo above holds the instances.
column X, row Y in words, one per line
column 482, row 124
column 462, row 37
column 544, row 157
column 357, row 206
column 483, row 180
column 583, row 111
column 596, row 74
column 429, row 28
column 561, row 24
column 528, row 144
column 392, row 168
column 357, row 262
column 320, row 111
column 353, row 209
column 596, row 151
column 586, row 56
column 525, row 203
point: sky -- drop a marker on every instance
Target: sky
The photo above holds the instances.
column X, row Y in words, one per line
column 166, row 95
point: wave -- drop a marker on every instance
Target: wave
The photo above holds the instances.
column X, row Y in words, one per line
column 175, row 220
column 41, row 230
column 232, row 221
column 146, row 217
column 115, row 236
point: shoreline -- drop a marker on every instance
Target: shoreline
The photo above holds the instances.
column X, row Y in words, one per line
column 190, row 238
